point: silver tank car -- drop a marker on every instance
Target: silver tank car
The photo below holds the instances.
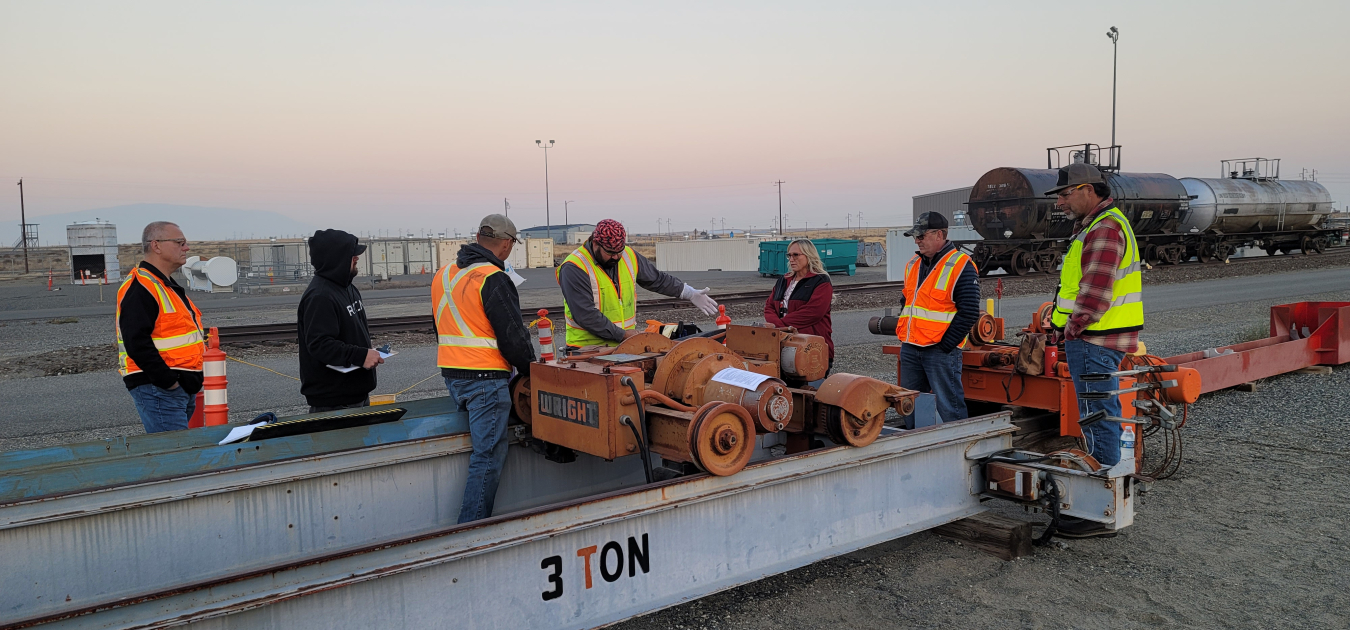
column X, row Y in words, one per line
column 1240, row 206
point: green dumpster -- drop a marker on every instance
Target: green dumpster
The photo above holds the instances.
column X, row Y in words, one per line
column 838, row 255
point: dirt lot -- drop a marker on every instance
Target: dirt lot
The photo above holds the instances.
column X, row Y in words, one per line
column 1249, row 534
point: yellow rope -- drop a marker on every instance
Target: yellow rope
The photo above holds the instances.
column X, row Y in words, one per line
column 419, row 382
column 263, row 368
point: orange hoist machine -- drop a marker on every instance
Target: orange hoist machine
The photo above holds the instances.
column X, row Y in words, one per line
column 699, row 402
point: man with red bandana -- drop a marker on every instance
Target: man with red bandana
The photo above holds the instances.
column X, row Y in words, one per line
column 599, row 281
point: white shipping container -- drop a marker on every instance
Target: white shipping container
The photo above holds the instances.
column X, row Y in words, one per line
column 719, row 254
column 899, row 250
column 447, row 250
column 420, row 257
column 538, row 253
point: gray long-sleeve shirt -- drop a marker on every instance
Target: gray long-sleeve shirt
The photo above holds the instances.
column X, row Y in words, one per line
column 576, row 290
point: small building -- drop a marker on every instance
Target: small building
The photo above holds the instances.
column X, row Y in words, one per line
column 93, row 251
column 562, row 234
column 948, row 203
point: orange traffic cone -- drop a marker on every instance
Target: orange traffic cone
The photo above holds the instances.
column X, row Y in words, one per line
column 214, row 383
column 545, row 336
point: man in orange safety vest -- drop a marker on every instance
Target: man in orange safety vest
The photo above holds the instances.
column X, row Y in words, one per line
column 160, row 338
column 941, row 304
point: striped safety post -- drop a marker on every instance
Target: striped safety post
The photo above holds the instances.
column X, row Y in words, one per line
column 217, row 407
column 722, row 319
column 545, row 336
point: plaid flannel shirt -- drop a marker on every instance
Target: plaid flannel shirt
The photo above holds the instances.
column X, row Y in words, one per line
column 1103, row 250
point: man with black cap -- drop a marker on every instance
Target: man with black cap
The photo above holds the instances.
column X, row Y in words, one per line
column 1099, row 307
column 941, row 303
column 331, row 323
column 480, row 337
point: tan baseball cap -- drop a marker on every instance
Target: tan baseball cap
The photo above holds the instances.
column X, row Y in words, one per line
column 1076, row 175
column 498, row 226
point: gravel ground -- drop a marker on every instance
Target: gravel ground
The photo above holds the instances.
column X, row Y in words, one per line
column 1250, row 533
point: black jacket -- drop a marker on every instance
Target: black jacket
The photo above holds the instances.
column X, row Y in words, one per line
column 137, row 321
column 501, row 302
column 331, row 323
column 966, row 295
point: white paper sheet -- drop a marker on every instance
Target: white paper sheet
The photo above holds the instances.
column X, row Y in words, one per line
column 349, row 368
column 740, row 378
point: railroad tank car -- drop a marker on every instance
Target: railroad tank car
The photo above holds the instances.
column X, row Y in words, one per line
column 1024, row 232
column 1279, row 214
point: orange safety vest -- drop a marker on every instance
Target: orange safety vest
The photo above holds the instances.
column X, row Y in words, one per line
column 929, row 309
column 465, row 338
column 177, row 334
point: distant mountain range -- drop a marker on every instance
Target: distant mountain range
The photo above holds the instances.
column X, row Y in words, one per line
column 198, row 223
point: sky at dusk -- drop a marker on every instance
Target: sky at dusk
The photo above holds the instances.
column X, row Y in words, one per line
column 370, row 116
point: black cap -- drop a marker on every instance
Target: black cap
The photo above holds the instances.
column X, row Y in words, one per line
column 927, row 221
column 1076, row 175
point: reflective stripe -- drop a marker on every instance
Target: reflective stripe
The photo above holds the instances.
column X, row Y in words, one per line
column 946, row 273
column 1064, row 304
column 466, row 342
column 169, row 343
column 213, row 368
column 165, row 303
column 215, row 396
column 923, row 313
column 1128, row 298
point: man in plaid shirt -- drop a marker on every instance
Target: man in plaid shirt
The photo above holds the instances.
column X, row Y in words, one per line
column 1099, row 305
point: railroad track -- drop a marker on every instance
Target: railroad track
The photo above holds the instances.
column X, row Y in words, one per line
column 285, row 331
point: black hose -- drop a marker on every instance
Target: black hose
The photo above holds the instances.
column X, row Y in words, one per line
column 642, row 417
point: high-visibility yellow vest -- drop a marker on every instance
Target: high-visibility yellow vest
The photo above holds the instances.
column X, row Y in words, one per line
column 178, row 333
column 618, row 304
column 1127, row 291
column 929, row 308
column 464, row 337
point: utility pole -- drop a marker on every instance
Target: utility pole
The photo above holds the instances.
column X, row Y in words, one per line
column 779, row 183
column 547, row 220
column 508, row 206
column 23, row 227
column 1114, row 34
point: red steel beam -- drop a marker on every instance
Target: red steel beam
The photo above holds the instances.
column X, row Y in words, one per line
column 1326, row 342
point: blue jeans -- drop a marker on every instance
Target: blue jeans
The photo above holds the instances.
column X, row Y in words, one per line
column 1102, row 438
column 929, row 370
column 488, row 403
column 163, row 409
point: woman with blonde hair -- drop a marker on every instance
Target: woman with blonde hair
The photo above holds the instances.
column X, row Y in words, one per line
column 801, row 298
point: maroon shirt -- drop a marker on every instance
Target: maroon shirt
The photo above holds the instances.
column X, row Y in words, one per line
column 808, row 308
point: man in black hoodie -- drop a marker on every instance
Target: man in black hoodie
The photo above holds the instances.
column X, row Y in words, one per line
column 481, row 337
column 332, row 328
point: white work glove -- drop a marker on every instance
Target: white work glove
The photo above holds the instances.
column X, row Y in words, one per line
column 699, row 298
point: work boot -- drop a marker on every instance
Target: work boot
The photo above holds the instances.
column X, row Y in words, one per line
column 1071, row 527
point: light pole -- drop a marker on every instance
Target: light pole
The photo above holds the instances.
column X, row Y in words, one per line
column 779, row 184
column 23, row 227
column 547, row 221
column 1114, row 34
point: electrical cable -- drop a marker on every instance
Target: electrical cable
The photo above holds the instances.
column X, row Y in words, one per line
column 642, row 417
column 1052, row 496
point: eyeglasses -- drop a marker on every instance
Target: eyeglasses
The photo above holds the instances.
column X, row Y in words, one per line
column 1064, row 194
column 610, row 253
column 796, row 255
column 180, row 241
